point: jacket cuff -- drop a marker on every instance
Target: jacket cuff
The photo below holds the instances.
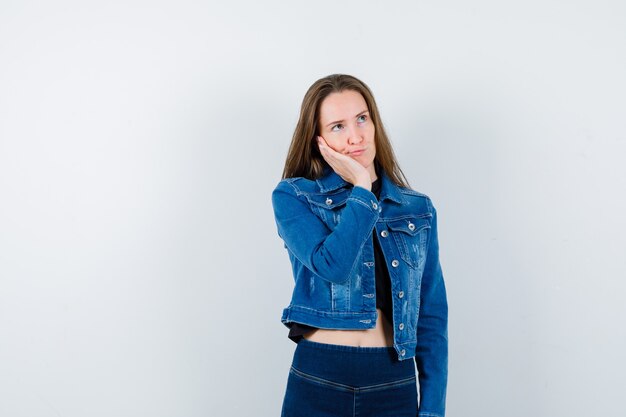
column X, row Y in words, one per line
column 365, row 197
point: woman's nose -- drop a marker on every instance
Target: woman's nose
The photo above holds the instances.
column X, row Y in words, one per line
column 354, row 136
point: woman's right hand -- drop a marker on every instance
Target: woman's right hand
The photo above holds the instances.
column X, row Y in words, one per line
column 348, row 168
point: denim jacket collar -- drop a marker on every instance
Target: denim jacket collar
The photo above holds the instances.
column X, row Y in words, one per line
column 331, row 181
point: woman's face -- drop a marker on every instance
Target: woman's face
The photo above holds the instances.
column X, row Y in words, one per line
column 346, row 126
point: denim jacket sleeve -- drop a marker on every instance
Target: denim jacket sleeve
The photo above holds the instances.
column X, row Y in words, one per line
column 329, row 254
column 431, row 355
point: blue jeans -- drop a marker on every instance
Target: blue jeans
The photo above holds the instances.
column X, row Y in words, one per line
column 347, row 381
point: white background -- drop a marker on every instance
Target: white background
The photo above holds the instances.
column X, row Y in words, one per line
column 140, row 269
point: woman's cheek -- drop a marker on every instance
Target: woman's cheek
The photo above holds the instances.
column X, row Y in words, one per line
column 334, row 146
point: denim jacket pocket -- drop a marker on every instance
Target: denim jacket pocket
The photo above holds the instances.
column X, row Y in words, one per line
column 411, row 237
column 329, row 205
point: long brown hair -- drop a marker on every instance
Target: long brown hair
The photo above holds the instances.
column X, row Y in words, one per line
column 304, row 158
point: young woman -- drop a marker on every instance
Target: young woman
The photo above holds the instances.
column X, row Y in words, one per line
column 369, row 294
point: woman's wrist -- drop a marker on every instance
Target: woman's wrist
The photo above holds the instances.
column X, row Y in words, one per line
column 365, row 184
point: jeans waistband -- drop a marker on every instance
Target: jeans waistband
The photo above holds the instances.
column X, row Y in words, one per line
column 351, row 365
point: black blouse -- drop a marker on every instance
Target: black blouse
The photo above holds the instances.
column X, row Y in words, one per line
column 383, row 285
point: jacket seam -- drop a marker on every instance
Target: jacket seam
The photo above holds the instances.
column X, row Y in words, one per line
column 361, row 202
column 413, row 192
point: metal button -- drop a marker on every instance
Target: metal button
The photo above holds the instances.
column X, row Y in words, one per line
column 401, row 294
column 329, row 201
column 402, row 352
column 375, row 206
column 384, row 233
column 401, row 326
column 395, row 263
column 411, row 226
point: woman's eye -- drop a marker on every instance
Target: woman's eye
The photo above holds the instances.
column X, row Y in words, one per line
column 336, row 126
column 362, row 118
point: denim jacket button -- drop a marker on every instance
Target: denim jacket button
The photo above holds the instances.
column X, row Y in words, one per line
column 395, row 263
column 329, row 201
column 411, row 226
column 401, row 294
column 375, row 206
column 401, row 326
column 384, row 233
column 402, row 352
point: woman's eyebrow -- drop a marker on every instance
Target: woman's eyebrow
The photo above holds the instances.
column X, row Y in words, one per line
column 339, row 121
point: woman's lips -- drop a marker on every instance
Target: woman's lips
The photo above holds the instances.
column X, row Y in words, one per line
column 357, row 153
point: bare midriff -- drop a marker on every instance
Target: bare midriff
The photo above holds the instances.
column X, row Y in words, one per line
column 381, row 335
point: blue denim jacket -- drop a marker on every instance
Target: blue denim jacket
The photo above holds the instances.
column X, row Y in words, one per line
column 326, row 226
